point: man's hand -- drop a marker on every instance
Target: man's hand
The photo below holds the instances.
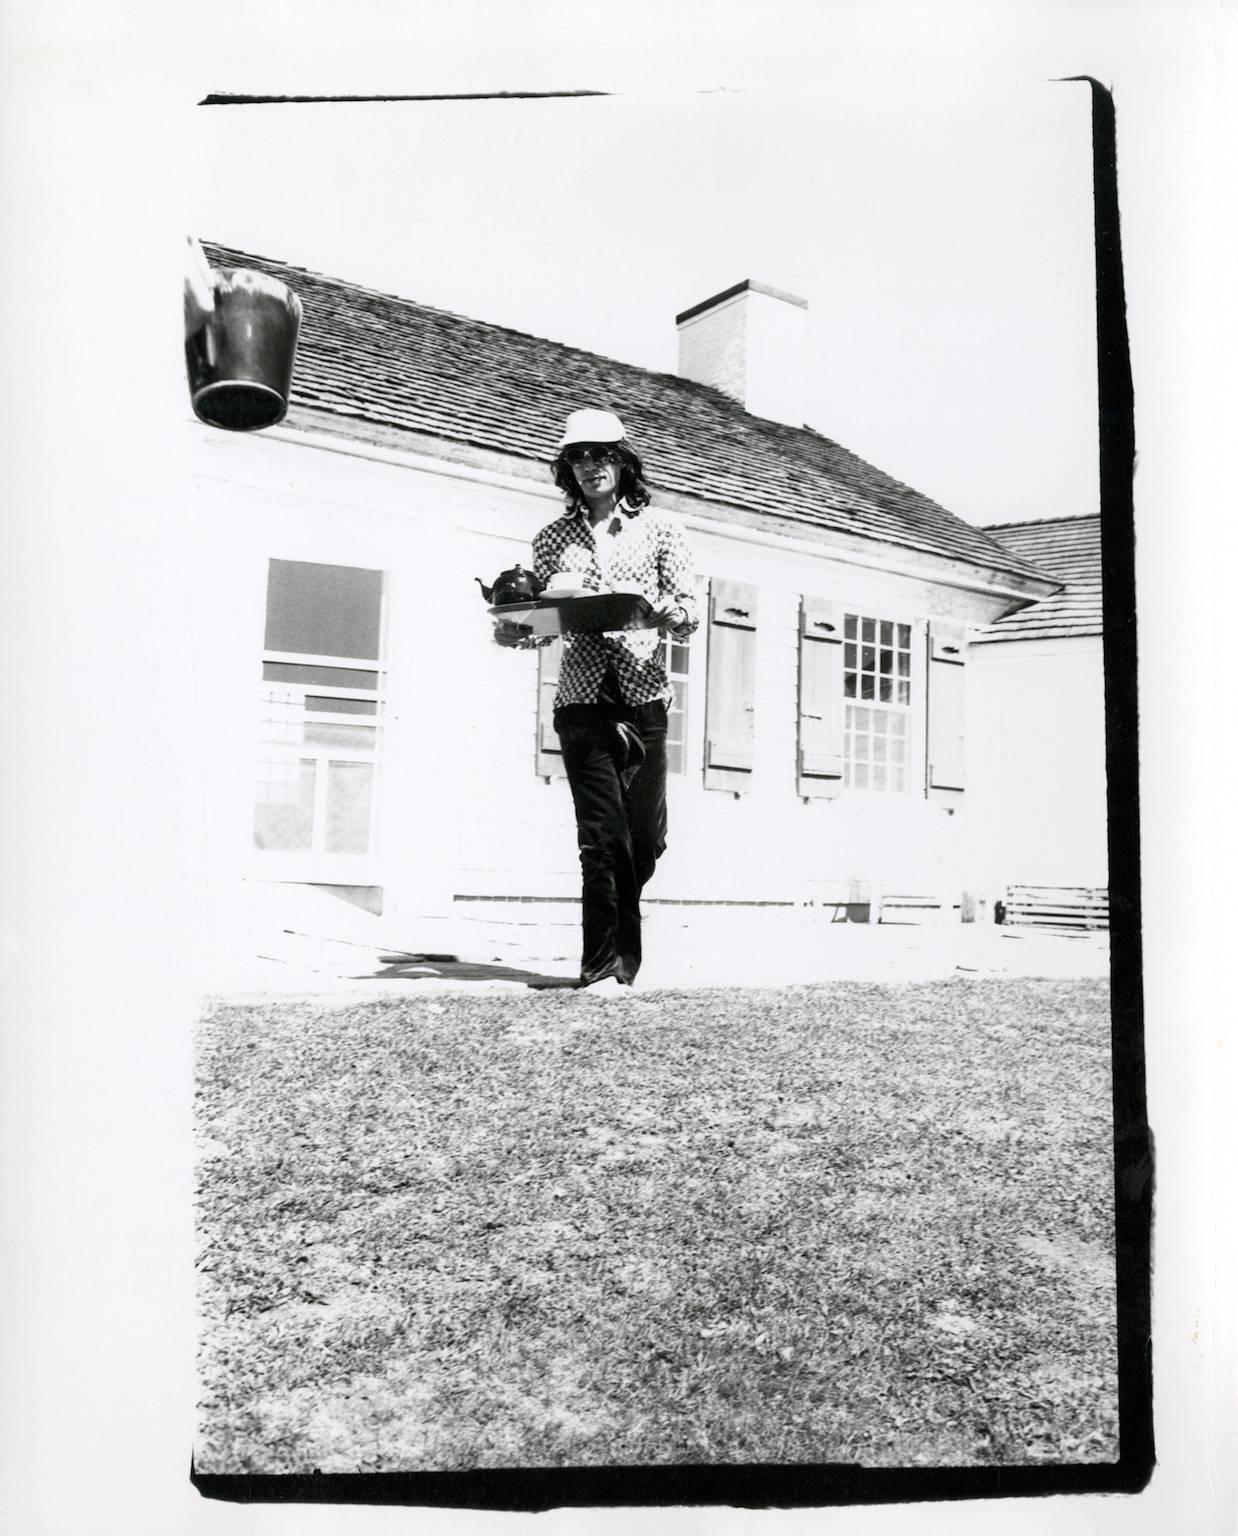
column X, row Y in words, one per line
column 667, row 614
column 508, row 633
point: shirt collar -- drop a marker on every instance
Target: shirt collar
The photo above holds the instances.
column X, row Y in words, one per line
column 581, row 510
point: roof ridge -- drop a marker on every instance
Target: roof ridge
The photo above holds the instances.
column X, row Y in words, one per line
column 368, row 355
column 337, row 282
column 490, row 325
column 894, row 483
column 889, row 479
column 1039, row 522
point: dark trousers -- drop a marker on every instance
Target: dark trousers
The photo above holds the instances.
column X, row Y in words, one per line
column 620, row 829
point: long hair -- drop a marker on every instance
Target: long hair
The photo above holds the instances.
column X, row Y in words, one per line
column 632, row 487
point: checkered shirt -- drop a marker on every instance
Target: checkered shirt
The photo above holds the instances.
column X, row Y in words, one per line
column 647, row 553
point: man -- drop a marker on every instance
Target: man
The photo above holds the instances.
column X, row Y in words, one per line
column 610, row 708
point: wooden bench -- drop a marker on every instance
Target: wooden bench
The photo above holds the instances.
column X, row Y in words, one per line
column 890, row 907
column 1072, row 907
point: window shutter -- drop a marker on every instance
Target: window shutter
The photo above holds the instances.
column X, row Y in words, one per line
column 549, row 755
column 947, row 697
column 820, row 768
column 730, row 685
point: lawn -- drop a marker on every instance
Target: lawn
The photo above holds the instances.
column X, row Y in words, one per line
column 832, row 1223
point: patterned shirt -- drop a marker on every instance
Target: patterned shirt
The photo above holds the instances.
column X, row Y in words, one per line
column 638, row 550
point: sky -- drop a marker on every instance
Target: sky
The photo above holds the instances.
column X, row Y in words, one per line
column 936, row 220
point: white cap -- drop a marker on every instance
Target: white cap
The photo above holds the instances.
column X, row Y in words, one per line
column 592, row 427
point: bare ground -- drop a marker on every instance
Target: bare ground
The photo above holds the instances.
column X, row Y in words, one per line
column 846, row 1222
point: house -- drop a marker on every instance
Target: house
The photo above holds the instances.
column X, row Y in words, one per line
column 1037, row 722
column 361, row 733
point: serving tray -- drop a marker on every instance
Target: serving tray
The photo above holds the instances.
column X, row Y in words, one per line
column 598, row 613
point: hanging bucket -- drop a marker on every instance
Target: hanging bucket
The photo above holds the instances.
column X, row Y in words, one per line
column 240, row 361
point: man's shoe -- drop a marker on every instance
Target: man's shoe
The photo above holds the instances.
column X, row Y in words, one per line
column 605, row 986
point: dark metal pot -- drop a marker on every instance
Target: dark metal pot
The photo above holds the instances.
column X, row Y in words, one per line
column 240, row 362
column 514, row 586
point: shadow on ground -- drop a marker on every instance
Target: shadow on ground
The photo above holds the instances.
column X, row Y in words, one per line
column 402, row 967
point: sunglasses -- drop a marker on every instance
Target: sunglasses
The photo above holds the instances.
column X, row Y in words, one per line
column 585, row 453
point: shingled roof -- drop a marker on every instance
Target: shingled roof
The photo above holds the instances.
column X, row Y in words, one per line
column 1065, row 547
column 367, row 357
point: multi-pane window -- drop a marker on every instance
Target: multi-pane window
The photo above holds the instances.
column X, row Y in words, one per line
column 322, row 705
column 877, row 691
column 675, row 656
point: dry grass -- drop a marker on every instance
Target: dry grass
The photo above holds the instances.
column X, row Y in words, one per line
column 832, row 1223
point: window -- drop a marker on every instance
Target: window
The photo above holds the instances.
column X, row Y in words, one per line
column 323, row 688
column 676, row 657
column 877, row 694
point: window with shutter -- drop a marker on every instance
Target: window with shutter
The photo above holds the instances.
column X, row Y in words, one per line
column 730, row 685
column 947, row 683
column 549, row 755
column 820, row 766
column 877, row 694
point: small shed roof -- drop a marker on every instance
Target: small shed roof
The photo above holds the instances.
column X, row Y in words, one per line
column 1065, row 547
column 368, row 357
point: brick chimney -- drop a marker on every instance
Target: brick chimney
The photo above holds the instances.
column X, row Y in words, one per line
column 749, row 342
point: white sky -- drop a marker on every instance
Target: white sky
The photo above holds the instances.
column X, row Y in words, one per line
column 938, row 220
